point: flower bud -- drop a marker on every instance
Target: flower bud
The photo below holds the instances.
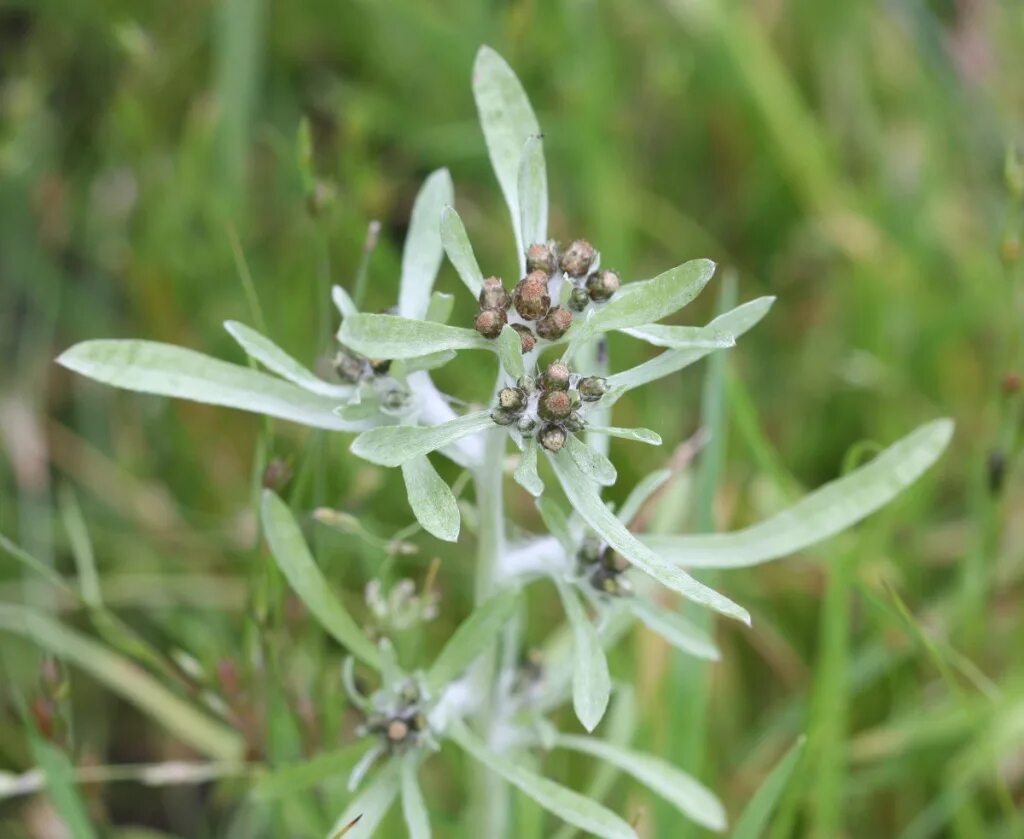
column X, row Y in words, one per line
column 531, row 297
column 527, row 340
column 589, row 552
column 277, row 474
column 578, row 299
column 552, row 437
column 614, row 561
column 395, row 400
column 554, row 405
column 380, row 366
column 502, row 417
column 511, row 399
column 348, row 366
column 397, row 730
column 489, row 322
column 602, row 285
column 526, row 424
column 554, row 324
column 556, row 376
column 592, row 388
column 577, row 258
column 493, row 295
column 541, row 257
column 527, row 383
column 610, row 582
column 574, row 423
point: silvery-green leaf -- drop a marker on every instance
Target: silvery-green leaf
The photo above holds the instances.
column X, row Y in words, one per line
column 674, row 628
column 431, row 499
column 565, row 803
column 345, row 304
column 123, row 676
column 526, row 472
column 270, row 355
column 734, row 322
column 689, row 796
column 591, row 683
column 421, row 256
column 586, row 501
column 641, row 303
column 289, row 550
column 166, row 370
column 371, row 805
column 473, row 636
column 822, row 513
column 682, row 337
column 414, row 810
column 508, row 122
column 405, row 366
column 460, row 251
column 390, row 336
column 593, row 464
column 533, row 193
column 639, row 495
column 638, row 435
column 510, row 351
column 754, row 820
column 397, row 444
column 440, row 307
column 556, row 522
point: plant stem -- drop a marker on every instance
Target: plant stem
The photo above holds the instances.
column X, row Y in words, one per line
column 489, row 793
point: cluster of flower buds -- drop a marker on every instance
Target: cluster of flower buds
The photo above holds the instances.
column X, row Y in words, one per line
column 604, row 568
column 531, row 298
column 403, row 725
column 548, row 407
column 355, row 369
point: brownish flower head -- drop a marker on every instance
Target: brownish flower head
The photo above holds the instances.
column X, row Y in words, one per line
column 493, row 295
column 490, row 321
column 554, row 324
column 511, row 399
column 527, row 340
column 556, row 376
column 577, row 258
column 531, row 297
column 541, row 257
column 602, row 285
column 552, row 437
column 554, row 405
column 592, row 388
column 578, row 299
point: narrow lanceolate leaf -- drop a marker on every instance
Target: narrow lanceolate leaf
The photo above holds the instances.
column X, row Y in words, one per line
column 474, row 635
column 644, row 302
column 390, row 336
column 126, row 678
column 292, row 778
column 510, row 351
column 508, row 122
column 823, row 513
column 345, row 304
column 166, row 370
column 752, row 823
column 397, row 444
column 414, row 809
column 526, row 472
column 682, row 337
column 690, row 797
column 439, row 309
column 734, row 323
column 533, row 193
column 641, row 494
column 431, row 499
column 61, row 789
column 371, row 805
column 460, row 251
column 638, row 435
column 591, row 683
column 405, row 366
column 421, row 256
column 591, row 463
column 568, row 805
column 674, row 628
column 300, row 569
column 584, row 498
column 260, row 348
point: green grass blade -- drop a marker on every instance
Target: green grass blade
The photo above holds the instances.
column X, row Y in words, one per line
column 759, row 809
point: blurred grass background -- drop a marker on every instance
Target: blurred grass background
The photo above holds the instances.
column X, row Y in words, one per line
column 850, row 158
